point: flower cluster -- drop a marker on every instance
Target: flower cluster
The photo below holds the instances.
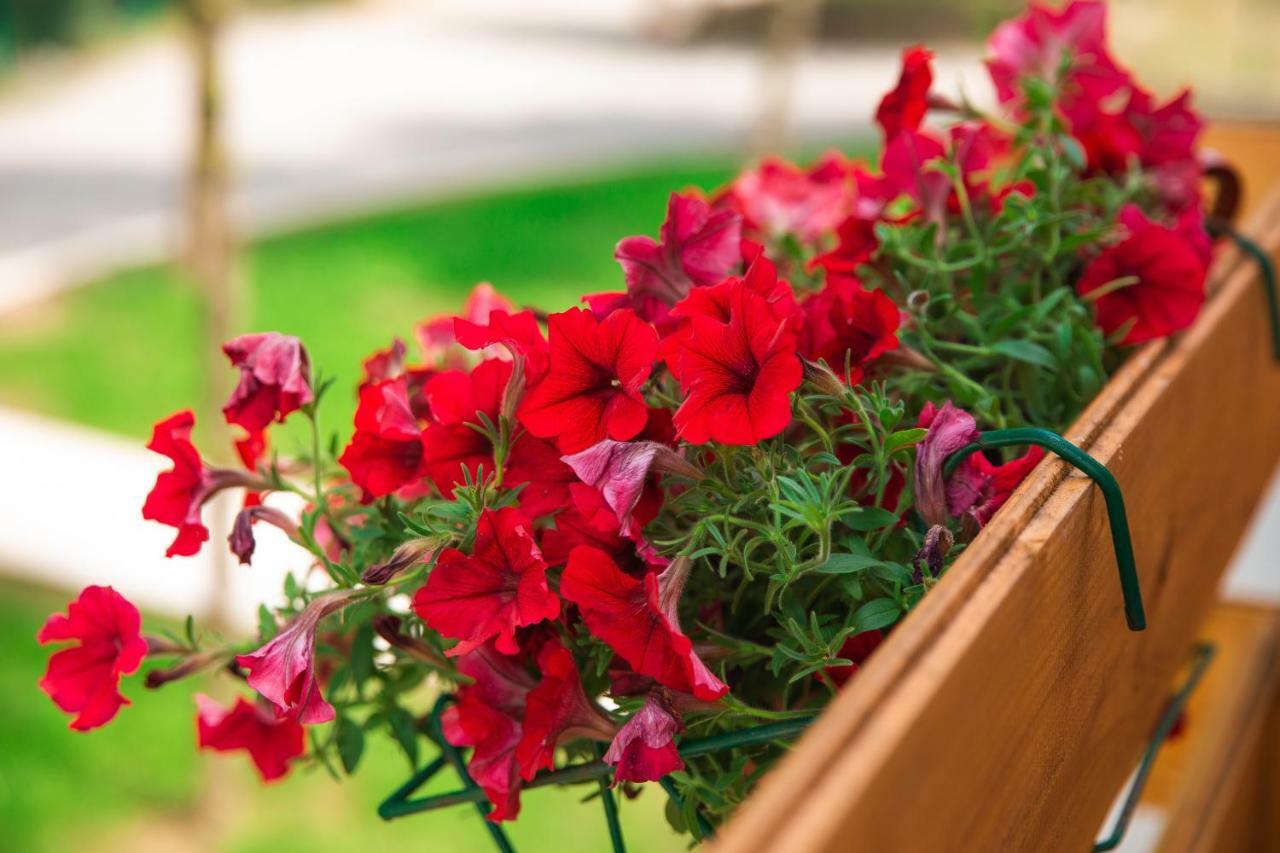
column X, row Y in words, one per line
column 702, row 499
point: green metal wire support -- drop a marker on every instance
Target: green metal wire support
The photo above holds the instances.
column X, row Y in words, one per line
column 1121, row 539
column 610, row 809
column 1203, row 657
column 1266, row 268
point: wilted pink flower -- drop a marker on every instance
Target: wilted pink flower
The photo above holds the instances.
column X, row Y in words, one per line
column 619, row 468
column 950, row 429
column 283, row 670
column 275, row 379
column 241, row 539
column 644, row 750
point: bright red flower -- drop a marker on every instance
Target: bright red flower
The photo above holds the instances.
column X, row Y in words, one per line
column 500, row 587
column 557, row 710
column 857, row 649
column 508, row 336
column 271, row 741
column 856, row 242
column 592, row 390
column 1158, row 281
column 950, row 429
column 644, row 750
column 738, row 376
column 979, row 487
column 386, row 452
column 275, row 379
column 180, row 492
column 779, row 198
column 457, row 398
column 904, row 107
column 637, row 618
column 535, row 463
column 588, row 520
column 436, row 336
column 845, row 321
column 283, row 670
column 698, row 245
column 85, row 679
column 487, row 716
column 717, row 301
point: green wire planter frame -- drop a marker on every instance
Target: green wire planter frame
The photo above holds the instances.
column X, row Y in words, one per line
column 1203, row 657
column 1266, row 268
column 1121, row 540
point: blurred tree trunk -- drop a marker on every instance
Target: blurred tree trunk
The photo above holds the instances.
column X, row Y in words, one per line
column 791, row 30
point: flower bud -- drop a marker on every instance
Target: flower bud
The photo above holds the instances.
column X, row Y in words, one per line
column 408, row 554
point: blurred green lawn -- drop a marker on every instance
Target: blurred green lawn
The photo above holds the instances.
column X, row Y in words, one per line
column 136, row 786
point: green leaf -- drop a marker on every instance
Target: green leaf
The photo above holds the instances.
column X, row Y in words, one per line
column 845, row 564
column 876, row 614
column 362, row 655
column 867, row 518
column 404, row 730
column 266, row 623
column 350, row 739
column 191, row 630
column 905, row 438
column 1026, row 351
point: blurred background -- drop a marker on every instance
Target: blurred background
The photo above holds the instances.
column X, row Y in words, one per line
column 175, row 172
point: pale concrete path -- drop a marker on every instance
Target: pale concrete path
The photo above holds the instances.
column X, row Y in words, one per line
column 344, row 108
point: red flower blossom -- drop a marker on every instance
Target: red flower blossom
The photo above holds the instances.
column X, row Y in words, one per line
column 619, row 470
column 180, row 492
column 386, row 452
column 436, row 336
column 502, row 586
column 717, row 301
column 856, row 649
column 507, row 336
column 738, row 376
column 1148, row 286
column 905, row 164
column 85, row 679
column 384, row 364
column 644, row 750
column 487, row 717
column 856, row 242
column 275, row 379
column 592, row 390
column 904, row 107
column 698, row 245
column 456, row 399
column 950, row 429
column 779, row 198
column 271, row 741
column 283, row 670
column 637, row 618
column 843, row 321
column 589, row 520
column 557, row 710
column 979, row 487
column 535, row 463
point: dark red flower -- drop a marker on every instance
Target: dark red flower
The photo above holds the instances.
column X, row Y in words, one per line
column 698, row 245
column 500, row 587
column 847, row 322
column 386, row 452
column 592, row 390
column 737, row 376
column 271, row 741
column 557, row 710
column 241, row 539
column 487, row 717
column 1148, row 286
column 587, row 520
column 779, row 198
column 637, row 618
column 283, row 670
column 904, row 107
column 535, row 463
column 456, row 399
column 85, row 679
column 856, row 649
column 275, row 379
column 644, row 750
column 979, row 487
column 180, row 492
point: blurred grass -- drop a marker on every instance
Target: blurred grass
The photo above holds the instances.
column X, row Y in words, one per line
column 134, row 785
column 123, row 352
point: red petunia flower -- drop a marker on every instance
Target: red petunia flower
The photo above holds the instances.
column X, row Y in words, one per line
column 456, row 399
column 85, row 679
column 283, row 670
column 535, row 463
column 979, row 487
column 779, row 198
column 507, row 336
column 179, row 493
column 275, row 379
column 857, row 649
column 384, row 364
column 698, row 245
column 386, row 452
column 856, row 242
column 637, row 618
column 845, row 321
column 592, row 390
column 271, row 741
column 1148, row 286
column 738, row 376
column 904, row 107
column 436, row 336
column 950, row 429
column 905, row 163
column 716, row 302
column 487, row 717
column 644, row 750
column 500, row 587
column 557, row 710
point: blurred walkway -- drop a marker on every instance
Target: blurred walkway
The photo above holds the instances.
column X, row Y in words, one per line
column 340, row 109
